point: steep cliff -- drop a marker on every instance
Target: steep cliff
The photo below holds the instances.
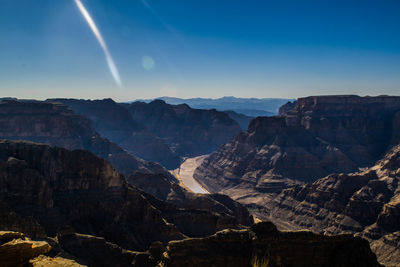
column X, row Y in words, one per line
column 313, row 139
column 189, row 132
column 49, row 191
column 157, row 131
column 316, row 137
column 59, row 188
column 101, row 220
column 56, row 125
column 115, row 123
column 367, row 202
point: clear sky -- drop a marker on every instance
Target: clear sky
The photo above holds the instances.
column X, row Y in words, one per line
column 200, row 48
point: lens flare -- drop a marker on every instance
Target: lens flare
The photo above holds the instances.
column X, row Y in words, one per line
column 96, row 32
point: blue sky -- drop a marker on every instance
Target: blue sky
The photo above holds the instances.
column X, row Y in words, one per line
column 200, row 48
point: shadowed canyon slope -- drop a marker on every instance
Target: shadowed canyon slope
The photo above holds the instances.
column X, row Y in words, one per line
column 264, row 245
column 157, row 131
column 56, row 125
column 47, row 192
column 90, row 213
column 60, row 188
column 99, row 219
column 189, row 132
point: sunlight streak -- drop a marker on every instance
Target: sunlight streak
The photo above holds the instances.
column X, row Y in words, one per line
column 93, row 27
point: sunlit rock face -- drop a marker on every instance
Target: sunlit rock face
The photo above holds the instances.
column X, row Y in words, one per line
column 310, row 139
column 56, row 125
column 366, row 202
column 302, row 169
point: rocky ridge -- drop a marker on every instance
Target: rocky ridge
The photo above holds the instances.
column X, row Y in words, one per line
column 56, row 125
column 317, row 136
column 283, row 168
column 189, row 132
column 264, row 245
column 157, row 131
column 114, row 122
column 49, row 192
column 194, row 214
column 18, row 250
column 366, row 202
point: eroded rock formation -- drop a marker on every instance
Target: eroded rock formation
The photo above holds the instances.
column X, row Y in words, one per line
column 189, row 132
column 56, row 125
column 58, row 188
column 194, row 214
column 264, row 245
column 300, row 151
column 316, row 137
column 366, row 202
column 18, row 250
column 50, row 192
column 114, row 122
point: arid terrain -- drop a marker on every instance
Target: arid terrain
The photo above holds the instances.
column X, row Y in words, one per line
column 329, row 165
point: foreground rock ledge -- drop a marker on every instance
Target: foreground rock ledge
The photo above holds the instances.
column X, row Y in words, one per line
column 17, row 250
column 264, row 245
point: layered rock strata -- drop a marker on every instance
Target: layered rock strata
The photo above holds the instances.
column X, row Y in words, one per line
column 56, row 125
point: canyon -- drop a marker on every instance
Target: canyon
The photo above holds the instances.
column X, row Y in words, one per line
column 72, row 176
column 326, row 163
column 156, row 131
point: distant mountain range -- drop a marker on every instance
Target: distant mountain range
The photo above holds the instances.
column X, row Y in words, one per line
column 253, row 107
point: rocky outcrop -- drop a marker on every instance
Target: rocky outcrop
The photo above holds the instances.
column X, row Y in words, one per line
column 58, row 188
column 264, row 245
column 286, row 107
column 311, row 140
column 56, row 125
column 50, row 192
column 261, row 245
column 96, row 251
column 194, row 214
column 317, row 136
column 157, row 131
column 114, row 122
column 367, row 203
column 18, row 250
column 189, row 132
column 44, row 261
